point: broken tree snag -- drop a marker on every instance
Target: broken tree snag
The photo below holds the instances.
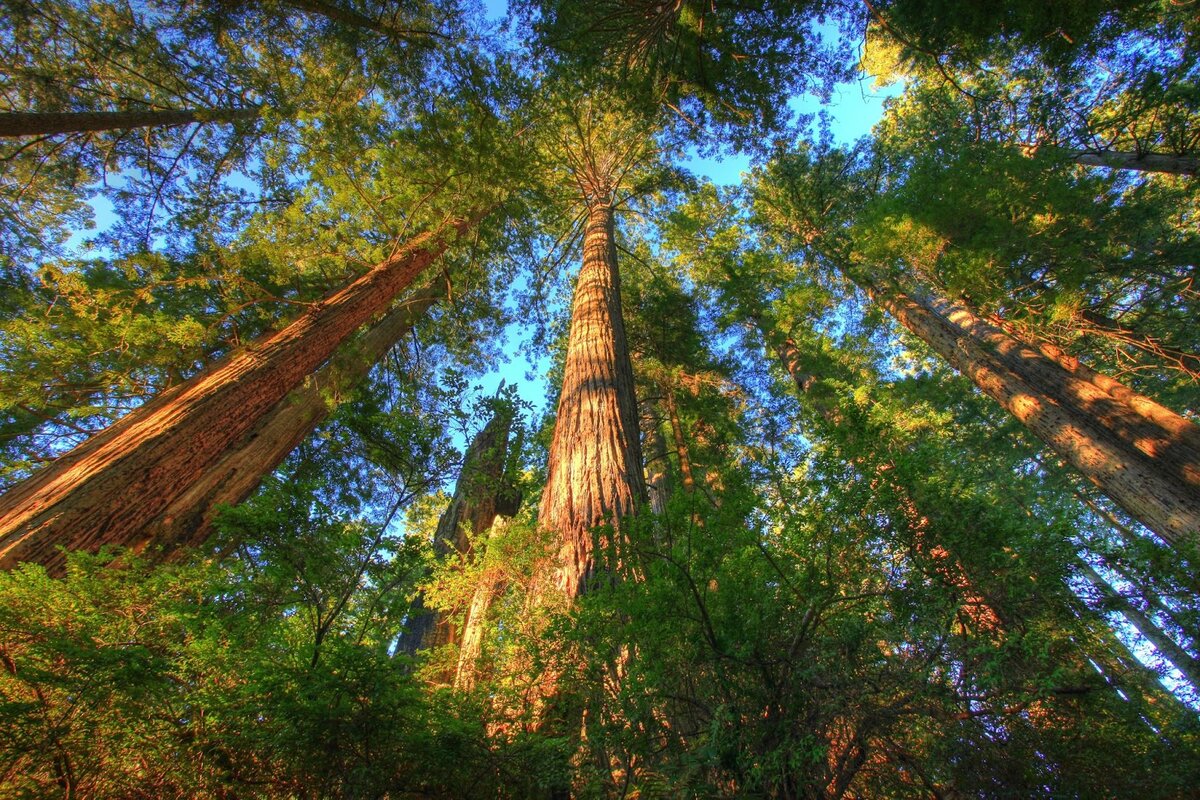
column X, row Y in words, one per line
column 480, row 494
column 108, row 489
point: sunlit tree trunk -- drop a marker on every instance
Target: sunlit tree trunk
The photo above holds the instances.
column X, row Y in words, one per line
column 595, row 466
column 491, row 584
column 1142, row 455
column 108, row 489
column 478, row 497
column 188, row 519
column 20, row 123
column 980, row 613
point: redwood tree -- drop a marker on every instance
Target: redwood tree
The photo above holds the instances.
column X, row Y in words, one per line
column 106, row 490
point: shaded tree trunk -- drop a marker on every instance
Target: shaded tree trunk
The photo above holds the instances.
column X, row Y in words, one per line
column 108, row 489
column 21, row 123
column 595, row 465
column 187, row 521
column 479, row 496
column 658, row 473
column 1142, row 455
column 1187, row 664
column 351, row 18
column 1141, row 162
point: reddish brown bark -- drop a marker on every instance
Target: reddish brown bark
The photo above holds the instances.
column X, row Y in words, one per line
column 187, row 521
column 108, row 489
column 21, row 123
column 595, row 466
column 1142, row 455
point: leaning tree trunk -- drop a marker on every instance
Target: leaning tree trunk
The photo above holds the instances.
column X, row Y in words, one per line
column 657, row 470
column 975, row 605
column 21, row 123
column 108, row 489
column 595, row 466
column 1141, row 162
column 479, row 496
column 1187, row 664
column 1141, row 454
column 188, row 520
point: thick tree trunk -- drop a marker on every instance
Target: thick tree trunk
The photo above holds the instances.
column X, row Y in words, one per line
column 479, row 496
column 108, row 489
column 187, row 521
column 595, row 466
column 1142, row 455
column 20, row 123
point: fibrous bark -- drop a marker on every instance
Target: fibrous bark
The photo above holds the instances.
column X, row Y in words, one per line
column 188, row 519
column 108, row 489
column 21, row 123
column 595, row 467
column 1142, row 455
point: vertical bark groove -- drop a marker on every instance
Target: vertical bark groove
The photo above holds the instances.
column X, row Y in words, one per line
column 1143, row 456
column 109, row 488
column 595, row 466
column 187, row 521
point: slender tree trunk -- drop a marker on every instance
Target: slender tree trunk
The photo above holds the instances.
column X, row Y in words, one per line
column 1187, row 664
column 658, row 475
column 1142, row 455
column 21, row 123
column 595, row 466
column 187, row 521
column 108, row 489
column 473, row 508
column 984, row 614
column 681, row 444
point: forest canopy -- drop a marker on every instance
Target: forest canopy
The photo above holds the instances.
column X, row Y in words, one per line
column 393, row 404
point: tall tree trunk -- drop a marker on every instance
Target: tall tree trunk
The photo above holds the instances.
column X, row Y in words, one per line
column 595, row 465
column 1187, row 664
column 187, row 521
column 108, row 489
column 1142, row 455
column 658, row 474
column 490, row 586
column 22, row 123
column 478, row 495
column 975, row 607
